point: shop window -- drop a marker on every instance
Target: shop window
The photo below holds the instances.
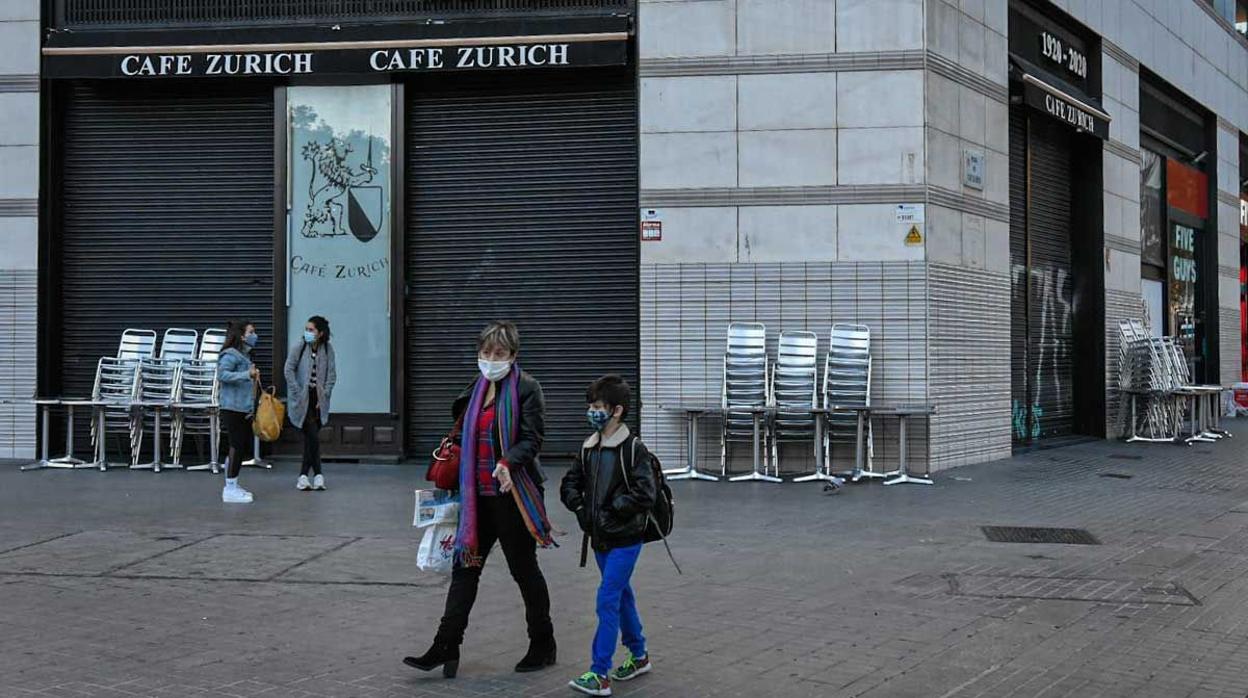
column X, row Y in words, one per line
column 1241, row 16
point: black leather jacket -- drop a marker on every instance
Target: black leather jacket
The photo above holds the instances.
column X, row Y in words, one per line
column 524, row 453
column 611, row 512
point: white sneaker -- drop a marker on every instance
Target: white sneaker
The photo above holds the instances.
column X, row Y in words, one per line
column 303, row 485
column 318, row 483
column 236, row 495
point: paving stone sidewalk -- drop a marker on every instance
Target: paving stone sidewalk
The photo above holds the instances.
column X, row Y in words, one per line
column 136, row 584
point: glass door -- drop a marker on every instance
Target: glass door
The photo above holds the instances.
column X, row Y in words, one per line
column 338, row 233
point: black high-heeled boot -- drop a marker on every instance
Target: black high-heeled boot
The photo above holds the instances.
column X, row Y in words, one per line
column 541, row 654
column 441, row 654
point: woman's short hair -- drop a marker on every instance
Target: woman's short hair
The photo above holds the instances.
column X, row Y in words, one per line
column 501, row 333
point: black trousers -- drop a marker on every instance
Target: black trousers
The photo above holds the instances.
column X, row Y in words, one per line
column 238, row 436
column 312, row 436
column 498, row 519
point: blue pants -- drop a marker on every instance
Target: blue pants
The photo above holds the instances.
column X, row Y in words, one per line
column 617, row 608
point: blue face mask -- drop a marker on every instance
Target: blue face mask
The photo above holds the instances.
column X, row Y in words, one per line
column 251, row 340
column 309, row 337
column 597, row 418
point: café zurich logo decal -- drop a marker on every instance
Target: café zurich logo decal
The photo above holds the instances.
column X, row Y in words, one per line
column 341, row 199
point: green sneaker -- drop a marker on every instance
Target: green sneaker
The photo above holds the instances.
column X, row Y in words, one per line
column 592, row 684
column 631, row 668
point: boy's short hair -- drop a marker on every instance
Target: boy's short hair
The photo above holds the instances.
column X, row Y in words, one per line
column 612, row 390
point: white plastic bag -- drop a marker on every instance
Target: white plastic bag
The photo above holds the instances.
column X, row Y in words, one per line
column 435, row 507
column 437, row 549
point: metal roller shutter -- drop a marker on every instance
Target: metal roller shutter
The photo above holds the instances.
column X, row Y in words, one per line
column 1051, row 318
column 168, row 216
column 1042, row 327
column 522, row 205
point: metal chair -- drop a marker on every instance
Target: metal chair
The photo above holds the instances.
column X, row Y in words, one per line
column 745, row 395
column 847, row 384
column 114, row 392
column 179, row 344
column 137, row 344
column 195, row 412
column 794, row 391
column 210, row 345
column 155, row 389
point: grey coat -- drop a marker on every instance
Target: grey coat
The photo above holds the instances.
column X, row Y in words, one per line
column 299, row 371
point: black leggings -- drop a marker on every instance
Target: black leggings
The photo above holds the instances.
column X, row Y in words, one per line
column 498, row 519
column 238, row 429
column 312, row 435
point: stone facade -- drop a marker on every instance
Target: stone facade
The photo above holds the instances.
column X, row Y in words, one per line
column 19, row 195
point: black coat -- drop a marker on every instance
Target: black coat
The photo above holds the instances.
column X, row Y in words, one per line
column 611, row 511
column 524, row 453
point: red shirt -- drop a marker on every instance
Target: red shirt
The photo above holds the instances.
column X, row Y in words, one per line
column 486, row 461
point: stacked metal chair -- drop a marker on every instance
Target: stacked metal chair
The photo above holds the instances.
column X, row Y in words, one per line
column 155, row 390
column 179, row 344
column 211, row 344
column 1150, row 383
column 847, row 383
column 137, row 344
column 794, row 391
column 195, row 412
column 116, row 383
column 745, row 390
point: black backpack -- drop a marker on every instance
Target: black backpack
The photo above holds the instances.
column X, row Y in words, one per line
column 662, row 516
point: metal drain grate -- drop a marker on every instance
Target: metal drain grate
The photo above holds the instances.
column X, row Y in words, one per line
column 1031, row 534
column 1118, row 476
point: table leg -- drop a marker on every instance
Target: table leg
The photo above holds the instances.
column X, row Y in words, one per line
column 822, row 467
column 756, row 474
column 257, row 461
column 860, row 446
column 156, row 463
column 903, row 475
column 43, row 461
column 101, row 449
column 68, row 460
column 690, row 471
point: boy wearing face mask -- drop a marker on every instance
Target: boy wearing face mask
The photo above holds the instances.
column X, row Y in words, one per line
column 611, row 488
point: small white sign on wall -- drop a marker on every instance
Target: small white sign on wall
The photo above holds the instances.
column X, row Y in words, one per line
column 651, row 225
column 973, row 168
column 909, row 214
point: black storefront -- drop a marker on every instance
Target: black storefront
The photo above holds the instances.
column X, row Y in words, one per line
column 1056, row 129
column 1178, row 253
column 409, row 176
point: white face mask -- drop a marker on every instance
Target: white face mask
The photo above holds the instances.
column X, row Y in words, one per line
column 494, row 370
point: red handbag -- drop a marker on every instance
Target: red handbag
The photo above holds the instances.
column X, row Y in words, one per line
column 444, row 467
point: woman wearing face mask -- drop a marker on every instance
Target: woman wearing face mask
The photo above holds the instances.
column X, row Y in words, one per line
column 238, row 377
column 310, row 378
column 500, row 486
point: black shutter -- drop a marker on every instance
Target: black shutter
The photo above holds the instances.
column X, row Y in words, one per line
column 1042, row 305
column 1051, row 295
column 168, row 216
column 522, row 205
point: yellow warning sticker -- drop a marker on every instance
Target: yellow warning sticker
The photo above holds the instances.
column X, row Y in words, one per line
column 914, row 237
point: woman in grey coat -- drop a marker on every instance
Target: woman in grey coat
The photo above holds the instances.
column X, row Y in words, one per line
column 310, row 378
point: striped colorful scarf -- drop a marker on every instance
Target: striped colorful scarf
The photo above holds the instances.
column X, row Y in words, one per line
column 528, row 497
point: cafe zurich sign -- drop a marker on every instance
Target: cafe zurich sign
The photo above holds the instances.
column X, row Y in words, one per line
column 336, row 58
column 1065, row 107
